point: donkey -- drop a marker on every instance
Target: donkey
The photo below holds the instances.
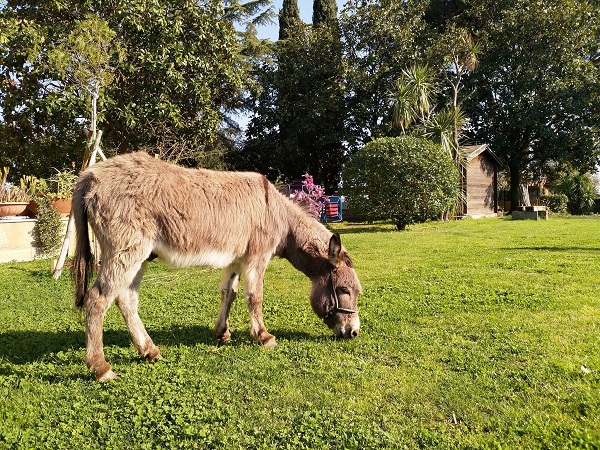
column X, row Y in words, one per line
column 140, row 208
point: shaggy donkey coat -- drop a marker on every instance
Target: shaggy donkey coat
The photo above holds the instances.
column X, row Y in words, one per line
column 140, row 208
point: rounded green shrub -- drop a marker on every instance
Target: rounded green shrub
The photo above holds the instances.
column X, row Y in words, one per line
column 580, row 191
column 406, row 179
column 557, row 203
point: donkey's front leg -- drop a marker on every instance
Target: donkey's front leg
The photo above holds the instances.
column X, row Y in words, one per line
column 253, row 292
column 229, row 286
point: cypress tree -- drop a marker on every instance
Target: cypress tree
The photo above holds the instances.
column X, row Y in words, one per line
column 289, row 16
column 301, row 128
column 325, row 14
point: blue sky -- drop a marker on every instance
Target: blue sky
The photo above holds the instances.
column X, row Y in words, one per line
column 305, row 7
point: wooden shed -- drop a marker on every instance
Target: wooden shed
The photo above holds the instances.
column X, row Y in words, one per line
column 480, row 180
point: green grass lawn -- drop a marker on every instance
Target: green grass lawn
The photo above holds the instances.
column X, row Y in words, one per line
column 475, row 334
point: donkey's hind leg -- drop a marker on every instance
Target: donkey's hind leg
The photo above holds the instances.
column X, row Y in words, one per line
column 127, row 302
column 96, row 305
column 115, row 281
column 229, row 286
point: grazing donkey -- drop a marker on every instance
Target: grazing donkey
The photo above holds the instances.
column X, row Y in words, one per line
column 140, row 208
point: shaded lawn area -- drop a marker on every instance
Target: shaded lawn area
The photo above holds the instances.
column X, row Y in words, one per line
column 475, row 334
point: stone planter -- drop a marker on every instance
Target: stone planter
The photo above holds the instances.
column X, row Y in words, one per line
column 18, row 240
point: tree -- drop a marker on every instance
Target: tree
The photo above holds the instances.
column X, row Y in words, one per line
column 413, row 111
column 380, row 40
column 298, row 125
column 37, row 122
column 458, row 53
column 579, row 190
column 299, row 118
column 83, row 59
column 325, row 14
column 311, row 100
column 411, row 99
column 289, row 19
column 536, row 90
column 260, row 149
column 183, row 71
column 406, row 179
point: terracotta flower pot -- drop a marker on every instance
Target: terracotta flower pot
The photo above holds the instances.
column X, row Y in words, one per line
column 13, row 209
column 32, row 209
column 62, row 205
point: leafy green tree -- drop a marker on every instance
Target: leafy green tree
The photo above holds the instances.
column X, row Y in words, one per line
column 299, row 117
column 406, row 179
column 260, row 149
column 311, row 106
column 182, row 71
column 298, row 125
column 536, row 92
column 37, row 131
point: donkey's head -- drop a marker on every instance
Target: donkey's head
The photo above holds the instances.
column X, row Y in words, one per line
column 334, row 294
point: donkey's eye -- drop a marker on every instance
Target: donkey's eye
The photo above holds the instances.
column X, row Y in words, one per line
column 344, row 291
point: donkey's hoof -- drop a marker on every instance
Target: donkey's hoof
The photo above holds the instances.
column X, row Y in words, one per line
column 224, row 338
column 153, row 355
column 269, row 342
column 106, row 376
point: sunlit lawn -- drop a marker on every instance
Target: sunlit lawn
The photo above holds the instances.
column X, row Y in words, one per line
column 475, row 334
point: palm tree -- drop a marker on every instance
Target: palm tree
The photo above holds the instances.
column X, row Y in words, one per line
column 462, row 59
column 440, row 128
column 412, row 96
column 402, row 102
column 443, row 128
column 422, row 80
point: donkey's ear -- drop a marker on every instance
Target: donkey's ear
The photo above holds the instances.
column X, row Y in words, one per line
column 335, row 250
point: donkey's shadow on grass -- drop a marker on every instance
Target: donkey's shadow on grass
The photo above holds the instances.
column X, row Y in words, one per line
column 24, row 347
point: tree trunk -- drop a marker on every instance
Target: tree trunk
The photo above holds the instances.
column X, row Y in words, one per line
column 515, row 182
column 524, row 195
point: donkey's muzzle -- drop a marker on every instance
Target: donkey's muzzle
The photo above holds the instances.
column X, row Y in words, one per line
column 347, row 330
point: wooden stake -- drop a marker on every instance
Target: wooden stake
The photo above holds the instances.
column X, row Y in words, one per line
column 71, row 224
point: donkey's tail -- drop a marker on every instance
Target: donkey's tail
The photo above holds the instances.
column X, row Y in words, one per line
column 83, row 265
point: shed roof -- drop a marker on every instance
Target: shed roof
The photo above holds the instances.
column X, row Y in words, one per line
column 472, row 151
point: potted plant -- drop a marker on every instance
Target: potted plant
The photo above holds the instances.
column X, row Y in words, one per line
column 58, row 188
column 61, row 186
column 13, row 200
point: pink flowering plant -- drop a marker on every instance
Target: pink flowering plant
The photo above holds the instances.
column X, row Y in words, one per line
column 312, row 196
